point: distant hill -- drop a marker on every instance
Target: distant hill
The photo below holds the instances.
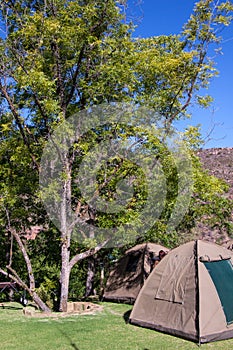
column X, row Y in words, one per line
column 218, row 162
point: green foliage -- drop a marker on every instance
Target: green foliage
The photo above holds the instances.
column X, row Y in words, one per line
column 47, row 293
column 78, row 281
column 59, row 57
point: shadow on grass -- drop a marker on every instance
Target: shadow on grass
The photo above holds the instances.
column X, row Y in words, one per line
column 126, row 316
column 74, row 346
column 8, row 307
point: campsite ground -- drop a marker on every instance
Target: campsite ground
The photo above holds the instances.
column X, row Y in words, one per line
column 105, row 329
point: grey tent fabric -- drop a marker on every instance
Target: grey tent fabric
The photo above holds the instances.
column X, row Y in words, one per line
column 229, row 244
column 130, row 272
column 187, row 294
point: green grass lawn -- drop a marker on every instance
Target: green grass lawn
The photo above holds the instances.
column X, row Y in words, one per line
column 105, row 330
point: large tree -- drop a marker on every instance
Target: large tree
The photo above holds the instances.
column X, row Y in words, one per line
column 59, row 57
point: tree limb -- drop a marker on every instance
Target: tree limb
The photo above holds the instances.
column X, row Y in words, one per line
column 26, row 258
column 87, row 253
column 75, row 75
column 18, row 123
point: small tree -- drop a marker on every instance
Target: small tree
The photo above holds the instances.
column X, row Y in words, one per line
column 60, row 57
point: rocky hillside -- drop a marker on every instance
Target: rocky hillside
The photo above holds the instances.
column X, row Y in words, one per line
column 218, row 162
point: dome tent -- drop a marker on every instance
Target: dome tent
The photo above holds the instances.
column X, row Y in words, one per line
column 189, row 294
column 130, row 272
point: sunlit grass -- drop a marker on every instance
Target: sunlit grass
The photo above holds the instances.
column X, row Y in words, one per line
column 104, row 330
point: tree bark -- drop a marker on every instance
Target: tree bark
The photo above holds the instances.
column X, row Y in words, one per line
column 31, row 288
column 87, row 253
column 90, row 276
column 14, row 277
column 39, row 302
column 64, row 279
column 65, row 208
column 26, row 258
column 67, row 265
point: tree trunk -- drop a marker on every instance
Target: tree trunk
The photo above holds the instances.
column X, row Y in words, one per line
column 65, row 208
column 90, row 276
column 39, row 302
column 31, row 288
column 64, row 279
column 14, row 277
column 101, row 280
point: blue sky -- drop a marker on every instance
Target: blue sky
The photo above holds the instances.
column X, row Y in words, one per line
column 167, row 17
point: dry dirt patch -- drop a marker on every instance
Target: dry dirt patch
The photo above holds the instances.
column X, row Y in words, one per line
column 73, row 308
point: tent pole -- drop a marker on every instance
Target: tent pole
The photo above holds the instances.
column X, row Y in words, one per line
column 197, row 293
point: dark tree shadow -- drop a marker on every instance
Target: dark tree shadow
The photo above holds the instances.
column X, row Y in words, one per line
column 74, row 346
column 126, row 316
column 8, row 307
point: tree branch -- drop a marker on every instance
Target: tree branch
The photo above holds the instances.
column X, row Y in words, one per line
column 32, row 292
column 190, row 91
column 34, row 95
column 26, row 258
column 75, row 76
column 87, row 253
column 15, row 277
column 59, row 80
column 19, row 124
